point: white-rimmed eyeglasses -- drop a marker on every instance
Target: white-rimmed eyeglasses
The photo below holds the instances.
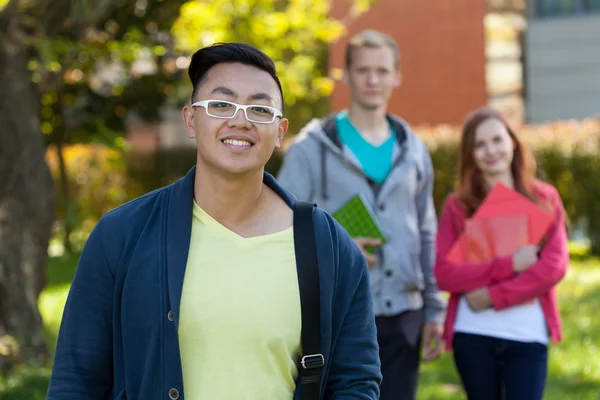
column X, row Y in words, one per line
column 226, row 109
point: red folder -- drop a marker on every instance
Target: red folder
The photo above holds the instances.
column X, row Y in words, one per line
column 492, row 237
column 505, row 221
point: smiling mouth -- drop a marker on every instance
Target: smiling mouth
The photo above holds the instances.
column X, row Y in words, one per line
column 237, row 143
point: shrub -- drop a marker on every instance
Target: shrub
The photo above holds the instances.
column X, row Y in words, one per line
column 567, row 153
column 101, row 178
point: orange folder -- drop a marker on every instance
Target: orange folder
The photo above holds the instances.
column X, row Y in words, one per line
column 505, row 221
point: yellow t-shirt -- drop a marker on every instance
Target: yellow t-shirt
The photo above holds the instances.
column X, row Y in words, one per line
column 240, row 322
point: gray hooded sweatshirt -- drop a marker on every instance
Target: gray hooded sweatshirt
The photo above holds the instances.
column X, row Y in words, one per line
column 319, row 168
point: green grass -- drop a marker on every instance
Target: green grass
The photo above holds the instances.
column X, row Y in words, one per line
column 574, row 369
column 31, row 383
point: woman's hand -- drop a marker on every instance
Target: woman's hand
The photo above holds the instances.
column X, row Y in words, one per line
column 525, row 257
column 478, row 299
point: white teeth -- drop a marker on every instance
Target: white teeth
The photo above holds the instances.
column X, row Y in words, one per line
column 234, row 142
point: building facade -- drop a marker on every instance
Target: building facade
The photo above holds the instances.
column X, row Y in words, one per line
column 562, row 60
column 442, row 50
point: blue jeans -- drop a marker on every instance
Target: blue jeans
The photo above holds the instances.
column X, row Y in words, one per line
column 497, row 369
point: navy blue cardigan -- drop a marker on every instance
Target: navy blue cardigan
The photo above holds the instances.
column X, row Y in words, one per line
column 118, row 336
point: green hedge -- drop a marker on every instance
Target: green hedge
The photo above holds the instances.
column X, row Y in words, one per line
column 567, row 155
column 577, row 178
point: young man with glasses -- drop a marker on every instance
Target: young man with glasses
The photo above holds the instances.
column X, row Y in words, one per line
column 194, row 287
column 365, row 150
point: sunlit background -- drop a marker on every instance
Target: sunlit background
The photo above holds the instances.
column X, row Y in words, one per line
column 93, row 90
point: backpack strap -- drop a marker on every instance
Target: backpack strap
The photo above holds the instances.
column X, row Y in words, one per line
column 312, row 360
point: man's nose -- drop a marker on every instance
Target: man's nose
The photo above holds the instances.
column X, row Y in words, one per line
column 239, row 119
column 372, row 78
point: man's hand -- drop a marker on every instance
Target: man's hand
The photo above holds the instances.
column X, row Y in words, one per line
column 433, row 343
column 362, row 242
column 479, row 299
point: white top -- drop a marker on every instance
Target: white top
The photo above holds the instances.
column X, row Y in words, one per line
column 522, row 323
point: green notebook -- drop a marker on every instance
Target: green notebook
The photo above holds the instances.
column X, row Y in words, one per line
column 359, row 220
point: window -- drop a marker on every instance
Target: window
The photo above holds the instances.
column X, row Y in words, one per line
column 557, row 8
column 551, row 8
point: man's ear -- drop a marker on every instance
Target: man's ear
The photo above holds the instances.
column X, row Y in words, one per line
column 282, row 129
column 188, row 120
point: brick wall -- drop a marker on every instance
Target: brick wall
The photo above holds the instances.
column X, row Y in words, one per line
column 442, row 50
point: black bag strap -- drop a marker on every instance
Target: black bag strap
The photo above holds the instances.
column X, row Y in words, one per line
column 308, row 280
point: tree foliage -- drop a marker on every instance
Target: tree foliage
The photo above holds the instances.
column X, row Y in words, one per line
column 93, row 75
column 119, row 65
column 74, row 71
column 293, row 33
column 132, row 62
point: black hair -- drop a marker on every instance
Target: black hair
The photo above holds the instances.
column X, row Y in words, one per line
column 220, row 53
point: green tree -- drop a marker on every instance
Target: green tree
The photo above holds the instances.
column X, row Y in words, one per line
column 50, row 51
column 77, row 106
column 294, row 33
column 122, row 65
column 70, row 73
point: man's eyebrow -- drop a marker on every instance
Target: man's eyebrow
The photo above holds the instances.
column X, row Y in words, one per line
column 224, row 90
column 261, row 96
column 229, row 92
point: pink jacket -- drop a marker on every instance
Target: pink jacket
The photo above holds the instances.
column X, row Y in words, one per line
column 506, row 288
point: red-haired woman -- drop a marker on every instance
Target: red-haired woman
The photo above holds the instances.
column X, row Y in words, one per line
column 501, row 314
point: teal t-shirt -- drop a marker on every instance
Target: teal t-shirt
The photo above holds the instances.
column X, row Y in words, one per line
column 375, row 160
